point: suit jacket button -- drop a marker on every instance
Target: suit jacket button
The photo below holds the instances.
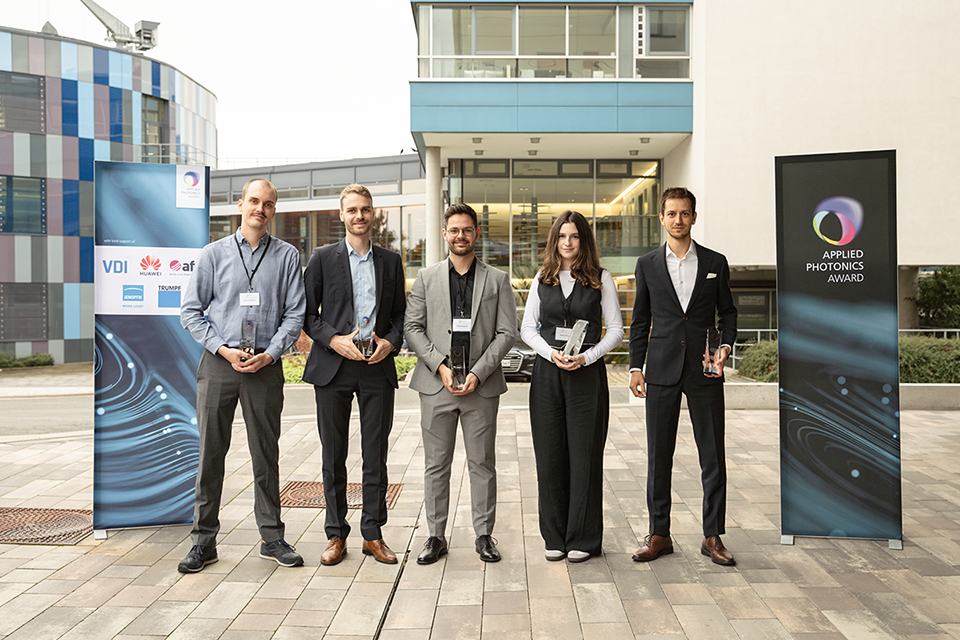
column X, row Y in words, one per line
column 684, row 317
column 449, row 330
column 683, row 342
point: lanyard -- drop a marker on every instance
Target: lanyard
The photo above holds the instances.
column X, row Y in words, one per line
column 462, row 293
column 247, row 271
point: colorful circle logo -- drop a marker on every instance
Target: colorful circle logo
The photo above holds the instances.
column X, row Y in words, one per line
column 175, row 265
column 191, row 179
column 847, row 210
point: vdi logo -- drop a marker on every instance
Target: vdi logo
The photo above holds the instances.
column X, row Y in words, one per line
column 847, row 210
column 114, row 266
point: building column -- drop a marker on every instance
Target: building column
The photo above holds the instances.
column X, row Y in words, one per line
column 434, row 207
column 908, row 316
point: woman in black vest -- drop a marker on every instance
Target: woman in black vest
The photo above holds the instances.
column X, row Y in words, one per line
column 569, row 400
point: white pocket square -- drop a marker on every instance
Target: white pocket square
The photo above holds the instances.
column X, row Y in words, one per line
column 711, row 275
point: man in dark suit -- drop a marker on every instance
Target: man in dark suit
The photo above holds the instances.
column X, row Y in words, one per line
column 684, row 289
column 355, row 307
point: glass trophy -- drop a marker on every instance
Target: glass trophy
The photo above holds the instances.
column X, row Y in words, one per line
column 367, row 345
column 575, row 341
column 248, row 338
column 458, row 365
column 710, row 365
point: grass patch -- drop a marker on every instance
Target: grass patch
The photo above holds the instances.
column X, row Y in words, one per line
column 293, row 367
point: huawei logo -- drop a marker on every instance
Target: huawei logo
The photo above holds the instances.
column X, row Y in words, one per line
column 149, row 263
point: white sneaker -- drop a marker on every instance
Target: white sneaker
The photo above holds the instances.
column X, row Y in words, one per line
column 554, row 554
column 577, row 556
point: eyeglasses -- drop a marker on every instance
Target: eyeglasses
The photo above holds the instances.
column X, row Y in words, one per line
column 466, row 231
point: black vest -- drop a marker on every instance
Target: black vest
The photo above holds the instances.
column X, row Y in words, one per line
column 583, row 304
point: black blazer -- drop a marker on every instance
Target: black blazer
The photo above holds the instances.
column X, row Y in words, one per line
column 329, row 289
column 677, row 335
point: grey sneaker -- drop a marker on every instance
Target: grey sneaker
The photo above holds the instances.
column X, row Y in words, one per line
column 281, row 552
column 197, row 558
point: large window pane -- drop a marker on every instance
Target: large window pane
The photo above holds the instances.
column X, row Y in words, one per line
column 23, row 205
column 494, row 30
column 490, row 198
column 293, row 228
column 627, row 222
column 542, row 68
column 604, row 68
column 22, row 103
column 385, row 230
column 423, row 24
column 414, row 223
column 543, row 31
column 668, row 31
column 452, row 32
column 473, row 68
column 25, row 312
column 593, row 32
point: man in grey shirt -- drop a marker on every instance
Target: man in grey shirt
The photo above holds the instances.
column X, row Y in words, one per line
column 251, row 287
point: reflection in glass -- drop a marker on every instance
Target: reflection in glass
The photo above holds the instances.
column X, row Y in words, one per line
column 666, row 68
column 414, row 225
column 473, row 68
column 494, row 26
column 452, row 32
column 490, row 198
column 542, row 68
column 593, row 32
column 542, row 31
column 602, row 68
column 293, row 228
column 627, row 222
column 668, row 30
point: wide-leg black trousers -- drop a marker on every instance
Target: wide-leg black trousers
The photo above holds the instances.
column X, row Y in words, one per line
column 569, row 417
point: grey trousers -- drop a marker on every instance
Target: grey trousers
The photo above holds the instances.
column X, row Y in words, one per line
column 440, row 413
column 219, row 388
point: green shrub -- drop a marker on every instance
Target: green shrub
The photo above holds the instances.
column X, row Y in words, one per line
column 922, row 360
column 930, row 360
column 7, row 361
column 293, row 367
column 759, row 361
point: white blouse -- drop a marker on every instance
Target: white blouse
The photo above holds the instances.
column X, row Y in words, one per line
column 609, row 301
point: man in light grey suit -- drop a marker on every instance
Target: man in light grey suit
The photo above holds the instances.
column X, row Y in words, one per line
column 461, row 320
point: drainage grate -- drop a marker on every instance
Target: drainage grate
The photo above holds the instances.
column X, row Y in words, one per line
column 44, row 526
column 310, row 494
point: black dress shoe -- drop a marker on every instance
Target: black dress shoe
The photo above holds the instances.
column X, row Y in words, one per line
column 487, row 548
column 433, row 548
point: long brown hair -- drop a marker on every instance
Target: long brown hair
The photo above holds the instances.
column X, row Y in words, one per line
column 586, row 267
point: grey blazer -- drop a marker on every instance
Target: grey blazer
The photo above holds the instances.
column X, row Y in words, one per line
column 428, row 326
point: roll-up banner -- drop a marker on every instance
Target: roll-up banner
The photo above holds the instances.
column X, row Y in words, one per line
column 839, row 371
column 152, row 220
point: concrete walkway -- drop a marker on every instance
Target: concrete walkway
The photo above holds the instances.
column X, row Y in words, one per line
column 127, row 586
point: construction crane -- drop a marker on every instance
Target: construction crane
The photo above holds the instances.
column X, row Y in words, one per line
column 144, row 36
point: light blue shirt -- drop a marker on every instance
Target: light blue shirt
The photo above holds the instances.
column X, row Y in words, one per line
column 211, row 309
column 364, row 290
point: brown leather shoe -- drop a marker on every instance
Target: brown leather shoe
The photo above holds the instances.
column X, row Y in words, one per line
column 333, row 554
column 713, row 547
column 653, row 547
column 379, row 551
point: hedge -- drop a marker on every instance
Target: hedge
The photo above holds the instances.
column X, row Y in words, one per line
column 922, row 360
column 7, row 361
column 293, row 367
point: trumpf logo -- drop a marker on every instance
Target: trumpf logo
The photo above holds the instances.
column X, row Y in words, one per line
column 191, row 179
column 847, row 210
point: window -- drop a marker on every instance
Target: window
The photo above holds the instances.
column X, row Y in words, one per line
column 22, row 103
column 24, row 315
column 155, row 130
column 663, row 48
column 23, row 205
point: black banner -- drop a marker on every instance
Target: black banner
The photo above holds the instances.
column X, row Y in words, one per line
column 839, row 371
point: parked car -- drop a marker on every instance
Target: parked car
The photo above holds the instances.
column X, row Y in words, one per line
column 518, row 363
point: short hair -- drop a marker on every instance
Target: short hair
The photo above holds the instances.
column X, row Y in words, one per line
column 358, row 189
column 458, row 209
column 243, row 193
column 678, row 193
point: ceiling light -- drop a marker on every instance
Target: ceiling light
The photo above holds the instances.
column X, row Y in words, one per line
column 477, row 140
column 478, row 152
column 644, row 140
column 534, row 140
column 634, row 152
column 532, row 152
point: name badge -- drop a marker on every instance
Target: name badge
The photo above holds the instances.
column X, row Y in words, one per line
column 563, row 333
column 250, row 299
column 461, row 324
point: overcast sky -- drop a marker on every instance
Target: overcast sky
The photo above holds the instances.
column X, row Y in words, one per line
column 295, row 80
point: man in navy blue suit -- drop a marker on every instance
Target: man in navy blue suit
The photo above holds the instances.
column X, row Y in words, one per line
column 683, row 290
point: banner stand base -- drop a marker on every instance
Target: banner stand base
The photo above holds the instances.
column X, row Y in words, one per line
column 787, row 540
column 99, row 534
column 892, row 543
column 895, row 544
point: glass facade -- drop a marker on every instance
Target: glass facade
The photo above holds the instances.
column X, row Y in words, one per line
column 553, row 41
column 64, row 104
column 517, row 201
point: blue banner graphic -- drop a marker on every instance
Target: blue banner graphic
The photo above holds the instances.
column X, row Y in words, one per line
column 839, row 371
column 146, row 444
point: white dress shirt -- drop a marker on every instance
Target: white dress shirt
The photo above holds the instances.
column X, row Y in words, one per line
column 683, row 273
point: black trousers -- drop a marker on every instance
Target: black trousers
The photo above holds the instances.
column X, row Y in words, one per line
column 375, row 396
column 705, row 402
column 219, row 387
column 569, row 417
